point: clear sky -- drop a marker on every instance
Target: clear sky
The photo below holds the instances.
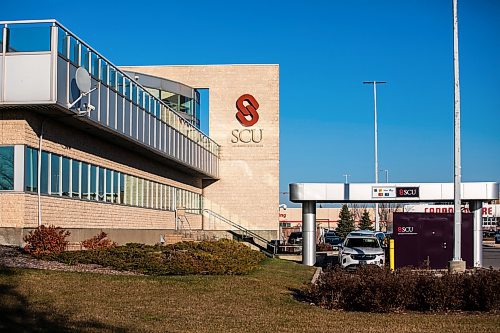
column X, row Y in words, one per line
column 325, row 50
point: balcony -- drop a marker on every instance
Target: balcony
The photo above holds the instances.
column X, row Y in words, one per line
column 38, row 62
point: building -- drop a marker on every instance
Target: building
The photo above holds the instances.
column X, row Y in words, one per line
column 127, row 156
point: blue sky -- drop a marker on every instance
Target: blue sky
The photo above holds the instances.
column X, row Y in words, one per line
column 325, row 50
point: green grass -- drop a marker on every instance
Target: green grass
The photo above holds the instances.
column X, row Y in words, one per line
column 32, row 300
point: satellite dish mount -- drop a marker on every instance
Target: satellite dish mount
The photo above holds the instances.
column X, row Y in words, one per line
column 83, row 82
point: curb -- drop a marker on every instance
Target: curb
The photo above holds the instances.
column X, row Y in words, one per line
column 316, row 275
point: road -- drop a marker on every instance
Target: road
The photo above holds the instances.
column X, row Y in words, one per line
column 491, row 257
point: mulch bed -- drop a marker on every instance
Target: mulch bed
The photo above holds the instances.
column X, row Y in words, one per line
column 14, row 257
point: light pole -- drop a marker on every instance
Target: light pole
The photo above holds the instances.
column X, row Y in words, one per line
column 346, row 178
column 456, row 264
column 386, row 174
column 377, row 219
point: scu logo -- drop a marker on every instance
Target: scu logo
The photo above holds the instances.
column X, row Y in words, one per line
column 247, row 114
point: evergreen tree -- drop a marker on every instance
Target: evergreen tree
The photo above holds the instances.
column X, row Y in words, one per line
column 365, row 223
column 346, row 222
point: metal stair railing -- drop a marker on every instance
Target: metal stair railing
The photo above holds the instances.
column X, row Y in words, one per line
column 245, row 231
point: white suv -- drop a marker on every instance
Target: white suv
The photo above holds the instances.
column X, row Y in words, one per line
column 361, row 250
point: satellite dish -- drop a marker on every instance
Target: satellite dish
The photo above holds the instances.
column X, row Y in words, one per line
column 83, row 81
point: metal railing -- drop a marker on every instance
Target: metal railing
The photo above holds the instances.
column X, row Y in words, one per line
column 245, row 232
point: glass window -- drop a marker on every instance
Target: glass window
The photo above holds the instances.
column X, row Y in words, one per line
column 101, row 184
column 85, row 58
column 134, row 93
column 7, row 168
column 93, row 182
column 44, row 181
column 75, row 179
column 55, row 174
column 85, row 181
column 109, row 186
column 152, row 202
column 31, row 170
column 141, row 97
column 66, row 175
column 127, row 89
column 24, row 38
column 116, row 189
column 122, row 188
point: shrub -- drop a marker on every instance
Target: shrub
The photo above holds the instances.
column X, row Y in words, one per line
column 372, row 289
column 207, row 257
column 46, row 240
column 99, row 241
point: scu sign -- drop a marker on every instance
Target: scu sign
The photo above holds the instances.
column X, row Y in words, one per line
column 247, row 116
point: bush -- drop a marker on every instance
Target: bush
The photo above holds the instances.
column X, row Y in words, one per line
column 373, row 289
column 46, row 240
column 99, row 241
column 207, row 257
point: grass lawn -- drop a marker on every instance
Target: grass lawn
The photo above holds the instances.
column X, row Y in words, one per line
column 34, row 300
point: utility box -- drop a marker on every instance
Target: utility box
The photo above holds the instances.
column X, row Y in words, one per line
column 426, row 240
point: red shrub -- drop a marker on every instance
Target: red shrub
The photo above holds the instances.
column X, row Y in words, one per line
column 99, row 241
column 46, row 240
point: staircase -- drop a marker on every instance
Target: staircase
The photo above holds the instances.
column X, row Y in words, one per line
column 245, row 235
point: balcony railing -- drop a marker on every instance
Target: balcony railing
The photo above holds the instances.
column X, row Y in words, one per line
column 38, row 62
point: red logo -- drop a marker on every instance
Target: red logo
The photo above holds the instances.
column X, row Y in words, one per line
column 247, row 114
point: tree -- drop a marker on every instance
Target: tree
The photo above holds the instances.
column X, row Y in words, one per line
column 365, row 223
column 346, row 222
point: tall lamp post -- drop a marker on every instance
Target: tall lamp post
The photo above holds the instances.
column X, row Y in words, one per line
column 377, row 218
column 456, row 264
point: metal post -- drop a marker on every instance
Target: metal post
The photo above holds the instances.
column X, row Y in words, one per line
column 309, row 233
column 456, row 264
column 377, row 218
column 476, row 207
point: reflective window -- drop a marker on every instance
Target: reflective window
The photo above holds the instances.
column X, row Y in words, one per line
column 24, row 38
column 93, row 182
column 74, row 50
column 75, row 178
column 101, row 184
column 134, row 93
column 116, row 188
column 85, row 181
column 55, row 175
column 112, row 77
column 122, row 188
column 44, row 177
column 7, row 168
column 128, row 90
column 119, row 84
column 65, row 176
column 109, row 190
column 85, row 58
column 30, row 170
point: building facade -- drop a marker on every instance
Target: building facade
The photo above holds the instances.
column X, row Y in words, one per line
column 127, row 156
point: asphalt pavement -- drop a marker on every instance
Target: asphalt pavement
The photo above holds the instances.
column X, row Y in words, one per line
column 491, row 257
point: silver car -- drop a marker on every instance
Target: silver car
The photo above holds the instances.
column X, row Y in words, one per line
column 361, row 250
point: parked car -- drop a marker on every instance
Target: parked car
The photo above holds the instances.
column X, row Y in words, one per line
column 334, row 241
column 361, row 250
column 379, row 234
column 295, row 238
column 497, row 237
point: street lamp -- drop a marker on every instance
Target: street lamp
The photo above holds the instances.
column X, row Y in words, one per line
column 386, row 174
column 346, row 178
column 377, row 221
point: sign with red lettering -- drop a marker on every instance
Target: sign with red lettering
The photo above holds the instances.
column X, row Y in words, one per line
column 247, row 107
column 407, row 192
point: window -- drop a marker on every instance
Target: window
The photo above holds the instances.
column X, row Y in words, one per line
column 31, row 169
column 85, row 181
column 101, row 184
column 109, row 189
column 122, row 188
column 75, row 179
column 62, row 42
column 93, row 182
column 104, row 72
column 7, row 168
column 116, row 187
column 55, row 174
column 65, row 176
column 44, row 177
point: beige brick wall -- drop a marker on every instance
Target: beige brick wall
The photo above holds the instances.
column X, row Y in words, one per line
column 248, row 189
